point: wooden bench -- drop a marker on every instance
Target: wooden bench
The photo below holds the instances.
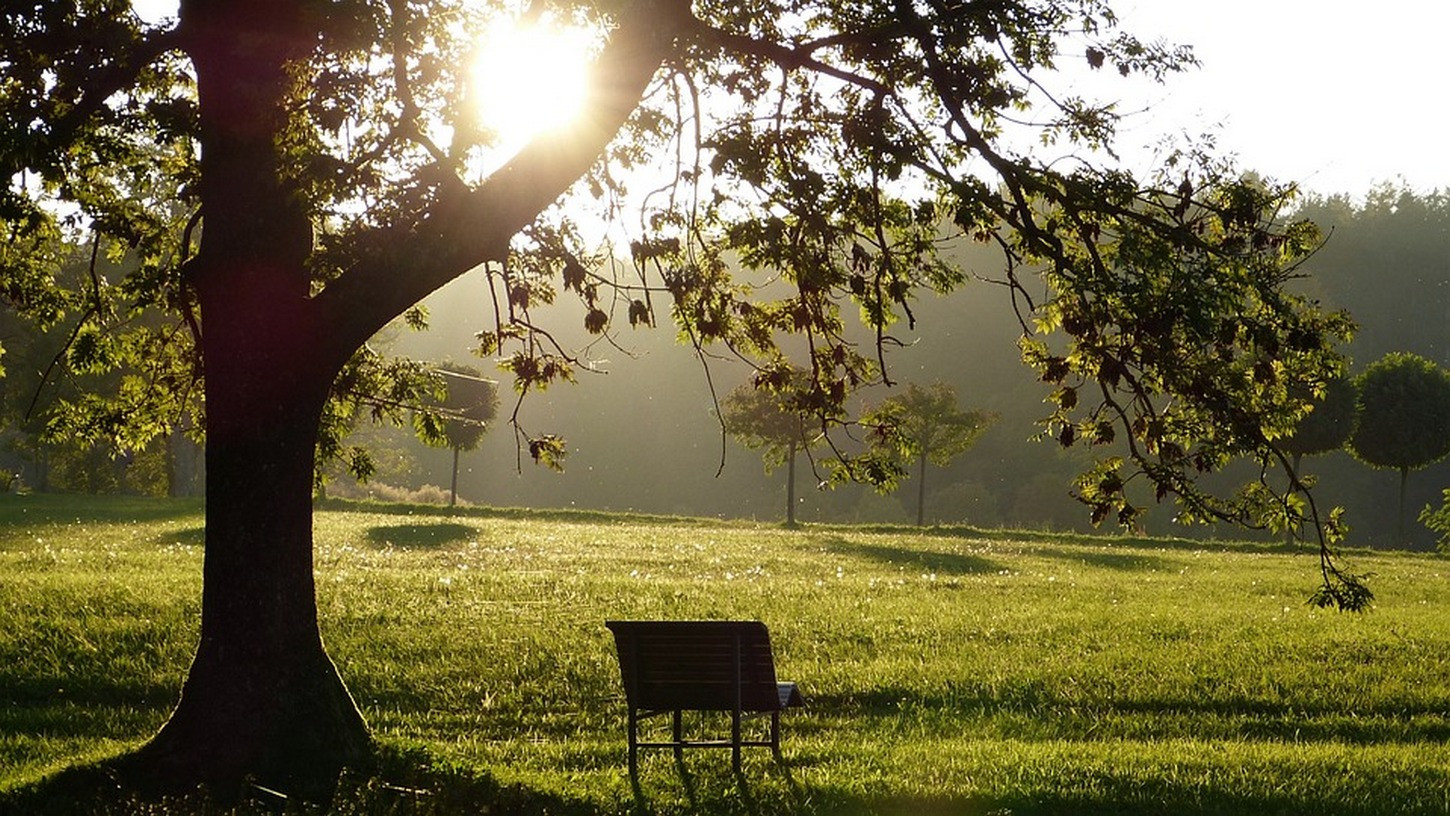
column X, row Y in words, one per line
column 670, row 667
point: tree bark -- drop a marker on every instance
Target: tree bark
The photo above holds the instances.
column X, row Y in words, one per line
column 1400, row 526
column 262, row 698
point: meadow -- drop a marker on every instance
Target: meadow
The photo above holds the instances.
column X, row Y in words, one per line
column 949, row 670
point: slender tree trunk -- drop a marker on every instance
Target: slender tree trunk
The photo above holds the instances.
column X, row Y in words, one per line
column 790, row 485
column 921, row 489
column 453, row 487
column 1400, row 530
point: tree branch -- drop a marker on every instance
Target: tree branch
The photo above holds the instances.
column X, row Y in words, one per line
column 100, row 86
column 787, row 57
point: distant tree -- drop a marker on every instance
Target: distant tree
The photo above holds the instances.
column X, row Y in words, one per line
column 1402, row 234
column 469, row 403
column 1327, row 427
column 926, row 425
column 760, row 419
column 1404, row 417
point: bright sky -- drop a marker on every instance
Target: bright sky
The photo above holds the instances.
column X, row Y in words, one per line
column 1336, row 95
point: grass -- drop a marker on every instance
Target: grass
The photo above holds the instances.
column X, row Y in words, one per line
column 947, row 671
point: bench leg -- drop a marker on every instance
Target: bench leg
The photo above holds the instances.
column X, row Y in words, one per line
column 633, row 744
column 775, row 734
column 735, row 739
column 679, row 733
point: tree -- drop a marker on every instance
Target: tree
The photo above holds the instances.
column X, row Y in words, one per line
column 1404, row 417
column 925, row 425
column 759, row 419
column 285, row 177
column 1327, row 427
column 468, row 404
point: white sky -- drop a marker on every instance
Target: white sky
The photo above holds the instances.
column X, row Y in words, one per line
column 1334, row 94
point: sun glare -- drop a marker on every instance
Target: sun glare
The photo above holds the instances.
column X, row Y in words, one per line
column 530, row 78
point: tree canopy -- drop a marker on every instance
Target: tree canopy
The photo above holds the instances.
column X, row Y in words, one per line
column 924, row 425
column 1329, row 423
column 283, row 178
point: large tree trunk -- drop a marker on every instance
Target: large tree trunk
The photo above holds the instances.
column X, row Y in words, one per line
column 262, row 699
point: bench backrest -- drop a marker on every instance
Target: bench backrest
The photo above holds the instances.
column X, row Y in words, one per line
column 696, row 665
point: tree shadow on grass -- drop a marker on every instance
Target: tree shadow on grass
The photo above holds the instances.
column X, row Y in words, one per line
column 397, row 781
column 62, row 508
column 1125, row 560
column 186, row 537
column 432, row 535
column 412, row 782
column 1000, row 709
column 941, row 563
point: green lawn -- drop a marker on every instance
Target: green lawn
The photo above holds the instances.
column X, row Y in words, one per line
column 954, row 671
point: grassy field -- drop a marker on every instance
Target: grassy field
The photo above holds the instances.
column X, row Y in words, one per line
column 949, row 671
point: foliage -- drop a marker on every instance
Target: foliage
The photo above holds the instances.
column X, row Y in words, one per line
column 956, row 671
column 832, row 174
column 1385, row 257
column 1404, row 408
column 1438, row 520
column 1404, row 403
column 285, row 179
column 1330, row 422
column 927, row 423
column 468, row 404
column 761, row 418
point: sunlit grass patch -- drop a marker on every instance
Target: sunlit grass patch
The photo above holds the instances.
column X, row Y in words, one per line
column 956, row 670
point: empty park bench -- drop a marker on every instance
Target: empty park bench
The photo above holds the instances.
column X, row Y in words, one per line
column 670, row 667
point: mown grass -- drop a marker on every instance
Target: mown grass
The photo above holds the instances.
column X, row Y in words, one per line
column 951, row 671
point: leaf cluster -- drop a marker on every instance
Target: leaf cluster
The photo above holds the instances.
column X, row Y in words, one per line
column 1404, row 404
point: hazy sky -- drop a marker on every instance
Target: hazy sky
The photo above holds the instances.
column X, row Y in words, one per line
column 1338, row 96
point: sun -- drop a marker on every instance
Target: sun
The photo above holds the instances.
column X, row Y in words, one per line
column 531, row 78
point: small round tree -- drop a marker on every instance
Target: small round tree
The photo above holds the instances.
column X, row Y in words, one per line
column 1404, row 417
column 759, row 419
column 1327, row 427
column 927, row 426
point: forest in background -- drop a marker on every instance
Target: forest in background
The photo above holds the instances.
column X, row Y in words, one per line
column 644, row 436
